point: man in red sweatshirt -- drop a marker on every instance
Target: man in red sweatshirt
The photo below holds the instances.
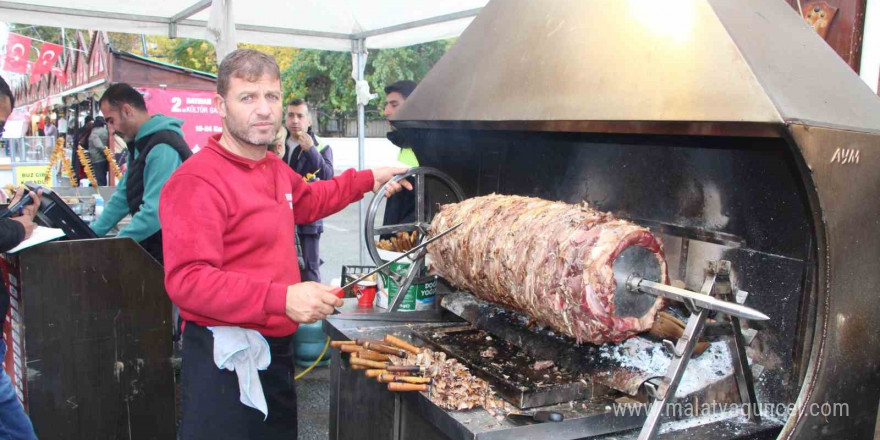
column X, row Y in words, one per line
column 228, row 216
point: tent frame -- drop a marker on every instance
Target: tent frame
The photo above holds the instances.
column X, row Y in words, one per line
column 358, row 47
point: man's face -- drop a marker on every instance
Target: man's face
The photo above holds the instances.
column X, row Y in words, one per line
column 5, row 111
column 120, row 120
column 251, row 110
column 392, row 102
column 297, row 119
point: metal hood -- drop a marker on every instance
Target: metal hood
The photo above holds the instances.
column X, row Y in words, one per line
column 641, row 66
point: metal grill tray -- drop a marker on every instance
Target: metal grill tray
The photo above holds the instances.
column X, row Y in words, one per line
column 623, row 367
column 509, row 369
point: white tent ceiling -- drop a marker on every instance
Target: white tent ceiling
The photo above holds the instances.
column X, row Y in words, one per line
column 313, row 24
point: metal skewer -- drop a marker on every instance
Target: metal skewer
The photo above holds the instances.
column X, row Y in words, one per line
column 405, row 254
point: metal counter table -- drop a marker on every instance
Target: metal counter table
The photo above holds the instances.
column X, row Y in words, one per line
column 362, row 409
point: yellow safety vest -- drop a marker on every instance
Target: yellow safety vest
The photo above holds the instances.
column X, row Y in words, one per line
column 408, row 157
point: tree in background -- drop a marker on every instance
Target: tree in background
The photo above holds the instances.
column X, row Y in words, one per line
column 323, row 78
column 200, row 54
column 411, row 62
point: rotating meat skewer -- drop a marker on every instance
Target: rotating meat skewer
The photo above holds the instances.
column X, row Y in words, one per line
column 636, row 284
column 717, row 283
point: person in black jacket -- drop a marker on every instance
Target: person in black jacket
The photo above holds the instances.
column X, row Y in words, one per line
column 401, row 207
column 14, row 423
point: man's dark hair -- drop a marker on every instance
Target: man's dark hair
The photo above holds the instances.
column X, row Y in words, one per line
column 405, row 88
column 87, row 119
column 6, row 91
column 121, row 93
column 297, row 101
column 247, row 64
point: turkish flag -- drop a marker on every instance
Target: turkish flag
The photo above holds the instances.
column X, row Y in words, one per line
column 18, row 48
column 48, row 55
column 60, row 74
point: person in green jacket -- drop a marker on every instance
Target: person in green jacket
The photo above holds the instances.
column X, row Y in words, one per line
column 156, row 148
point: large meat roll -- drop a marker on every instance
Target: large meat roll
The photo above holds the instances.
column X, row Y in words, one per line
column 551, row 260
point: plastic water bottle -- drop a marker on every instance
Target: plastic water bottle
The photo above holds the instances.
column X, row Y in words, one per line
column 99, row 205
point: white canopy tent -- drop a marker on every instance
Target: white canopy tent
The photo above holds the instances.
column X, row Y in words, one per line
column 339, row 25
column 311, row 24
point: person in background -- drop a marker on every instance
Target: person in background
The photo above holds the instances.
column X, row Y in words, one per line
column 34, row 126
column 62, row 125
column 14, row 423
column 120, row 152
column 96, row 142
column 400, row 208
column 41, row 125
column 228, row 218
column 81, row 138
column 156, row 148
column 278, row 144
column 311, row 158
column 395, row 96
column 84, row 131
column 51, row 130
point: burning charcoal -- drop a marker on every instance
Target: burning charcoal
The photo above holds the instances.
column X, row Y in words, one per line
column 542, row 365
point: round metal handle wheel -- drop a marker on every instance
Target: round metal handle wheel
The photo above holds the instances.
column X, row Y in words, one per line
column 420, row 225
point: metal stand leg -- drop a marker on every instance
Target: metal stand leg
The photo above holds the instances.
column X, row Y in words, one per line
column 744, row 380
column 717, row 283
column 743, row 374
column 681, row 355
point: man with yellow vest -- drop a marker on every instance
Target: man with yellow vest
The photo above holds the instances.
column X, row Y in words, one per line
column 400, row 208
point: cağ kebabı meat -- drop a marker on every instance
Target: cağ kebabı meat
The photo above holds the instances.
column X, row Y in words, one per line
column 550, row 260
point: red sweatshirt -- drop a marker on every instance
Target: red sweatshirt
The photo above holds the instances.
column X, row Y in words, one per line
column 228, row 235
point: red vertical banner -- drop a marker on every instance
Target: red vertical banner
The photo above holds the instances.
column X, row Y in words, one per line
column 13, row 327
column 18, row 48
column 194, row 107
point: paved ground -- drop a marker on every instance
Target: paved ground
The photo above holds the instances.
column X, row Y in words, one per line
column 313, row 404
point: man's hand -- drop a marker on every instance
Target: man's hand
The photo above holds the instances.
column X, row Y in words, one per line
column 382, row 175
column 28, row 223
column 309, row 302
column 30, row 211
column 304, row 140
column 27, row 212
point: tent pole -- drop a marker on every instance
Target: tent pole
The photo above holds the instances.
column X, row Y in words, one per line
column 360, row 46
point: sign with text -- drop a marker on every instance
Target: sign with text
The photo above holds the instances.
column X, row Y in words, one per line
column 194, row 107
column 35, row 174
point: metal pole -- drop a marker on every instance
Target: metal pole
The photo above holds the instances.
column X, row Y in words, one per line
column 144, row 45
column 64, row 44
column 359, row 47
